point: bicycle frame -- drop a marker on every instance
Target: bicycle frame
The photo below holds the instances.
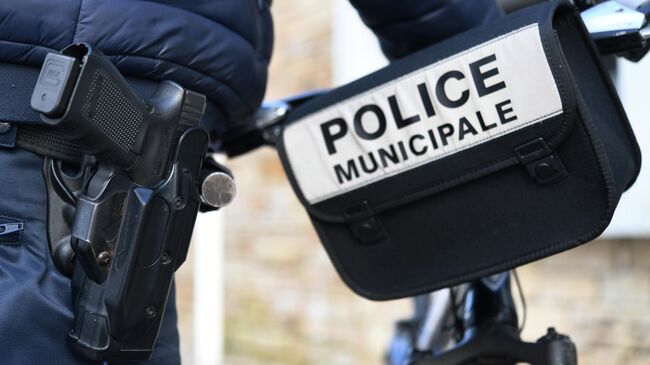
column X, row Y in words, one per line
column 475, row 322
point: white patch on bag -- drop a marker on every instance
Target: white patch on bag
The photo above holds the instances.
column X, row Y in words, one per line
column 468, row 99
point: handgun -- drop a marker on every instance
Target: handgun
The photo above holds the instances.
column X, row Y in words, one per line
column 136, row 208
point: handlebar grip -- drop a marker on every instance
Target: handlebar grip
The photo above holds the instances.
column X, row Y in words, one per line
column 80, row 92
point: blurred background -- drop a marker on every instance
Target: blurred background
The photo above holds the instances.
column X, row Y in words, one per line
column 259, row 289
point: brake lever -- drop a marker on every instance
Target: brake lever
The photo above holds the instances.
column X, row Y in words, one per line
column 637, row 55
column 619, row 29
column 645, row 32
column 269, row 118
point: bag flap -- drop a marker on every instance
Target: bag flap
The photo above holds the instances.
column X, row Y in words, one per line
column 446, row 115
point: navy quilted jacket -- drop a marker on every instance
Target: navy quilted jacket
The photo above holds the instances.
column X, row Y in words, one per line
column 404, row 26
column 218, row 47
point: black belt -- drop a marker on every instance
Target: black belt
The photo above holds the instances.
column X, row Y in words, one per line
column 49, row 142
column 41, row 140
column 16, row 115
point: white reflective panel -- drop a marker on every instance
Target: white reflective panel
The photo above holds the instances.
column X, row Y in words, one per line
column 331, row 152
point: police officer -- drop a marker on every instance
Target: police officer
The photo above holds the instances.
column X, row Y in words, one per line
column 218, row 48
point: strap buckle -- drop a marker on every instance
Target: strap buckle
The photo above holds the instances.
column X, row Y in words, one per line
column 542, row 163
column 365, row 226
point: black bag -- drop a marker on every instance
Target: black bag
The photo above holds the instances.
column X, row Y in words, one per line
column 500, row 146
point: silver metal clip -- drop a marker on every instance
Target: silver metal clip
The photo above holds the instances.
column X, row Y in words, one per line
column 8, row 228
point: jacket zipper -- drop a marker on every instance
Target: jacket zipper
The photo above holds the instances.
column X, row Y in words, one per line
column 9, row 228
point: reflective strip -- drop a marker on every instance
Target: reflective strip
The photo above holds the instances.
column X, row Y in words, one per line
column 460, row 102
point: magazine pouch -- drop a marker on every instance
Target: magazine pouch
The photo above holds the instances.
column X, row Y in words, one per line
column 495, row 148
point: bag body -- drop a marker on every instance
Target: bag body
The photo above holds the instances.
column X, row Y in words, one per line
column 495, row 148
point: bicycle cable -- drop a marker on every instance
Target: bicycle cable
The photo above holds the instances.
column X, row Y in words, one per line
column 522, row 298
column 458, row 296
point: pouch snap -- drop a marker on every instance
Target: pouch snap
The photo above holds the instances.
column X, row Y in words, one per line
column 542, row 163
column 365, row 226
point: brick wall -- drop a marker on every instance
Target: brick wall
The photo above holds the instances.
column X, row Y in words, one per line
column 600, row 295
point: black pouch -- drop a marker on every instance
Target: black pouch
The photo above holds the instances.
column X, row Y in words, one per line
column 500, row 146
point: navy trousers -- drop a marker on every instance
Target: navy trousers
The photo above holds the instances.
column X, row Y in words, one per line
column 35, row 299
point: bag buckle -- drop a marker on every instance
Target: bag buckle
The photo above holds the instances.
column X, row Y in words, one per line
column 542, row 164
column 365, row 226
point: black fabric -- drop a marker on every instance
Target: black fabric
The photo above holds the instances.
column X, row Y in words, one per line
column 594, row 83
column 409, row 25
column 479, row 211
column 49, row 142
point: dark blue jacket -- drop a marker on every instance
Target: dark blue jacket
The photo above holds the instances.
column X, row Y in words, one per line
column 404, row 26
column 217, row 47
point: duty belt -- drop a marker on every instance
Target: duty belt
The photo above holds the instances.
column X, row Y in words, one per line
column 48, row 142
column 42, row 140
column 20, row 126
